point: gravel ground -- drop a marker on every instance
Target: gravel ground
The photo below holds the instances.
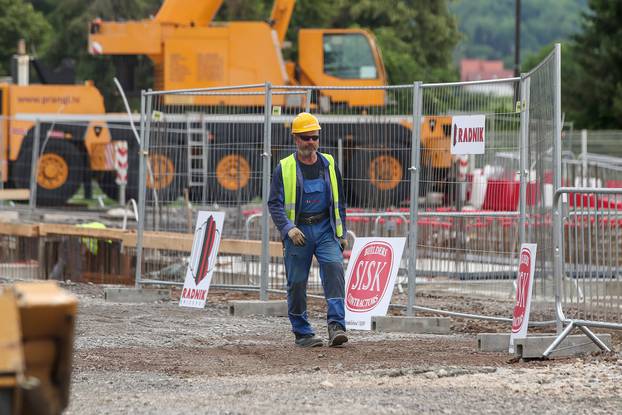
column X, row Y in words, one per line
column 159, row 358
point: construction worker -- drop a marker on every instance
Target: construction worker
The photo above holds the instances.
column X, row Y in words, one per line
column 307, row 206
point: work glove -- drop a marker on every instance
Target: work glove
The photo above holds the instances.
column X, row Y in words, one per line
column 297, row 237
column 344, row 243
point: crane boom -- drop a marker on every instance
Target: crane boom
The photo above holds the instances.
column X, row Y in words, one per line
column 201, row 13
column 281, row 15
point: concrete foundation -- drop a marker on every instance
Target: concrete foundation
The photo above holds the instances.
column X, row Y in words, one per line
column 493, row 342
column 136, row 295
column 406, row 324
column 274, row 308
column 532, row 347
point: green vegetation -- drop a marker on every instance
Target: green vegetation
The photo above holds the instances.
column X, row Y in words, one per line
column 592, row 68
column 19, row 20
column 488, row 26
column 419, row 39
column 595, row 87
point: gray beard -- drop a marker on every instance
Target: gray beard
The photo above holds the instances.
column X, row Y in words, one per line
column 305, row 152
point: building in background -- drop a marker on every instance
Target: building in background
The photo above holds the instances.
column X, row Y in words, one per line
column 480, row 69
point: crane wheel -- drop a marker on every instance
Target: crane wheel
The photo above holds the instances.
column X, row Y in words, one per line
column 59, row 171
column 378, row 178
column 233, row 172
column 385, row 172
column 232, row 180
column 107, row 179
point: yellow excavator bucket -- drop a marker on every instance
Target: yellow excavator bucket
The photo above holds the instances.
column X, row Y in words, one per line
column 36, row 347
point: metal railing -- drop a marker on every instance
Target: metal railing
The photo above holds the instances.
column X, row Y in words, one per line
column 588, row 240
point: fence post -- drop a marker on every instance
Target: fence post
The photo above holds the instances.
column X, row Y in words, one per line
column 142, row 185
column 4, row 164
column 265, row 230
column 523, row 157
column 584, row 175
column 557, row 179
column 34, row 163
column 340, row 154
column 308, row 98
column 414, row 195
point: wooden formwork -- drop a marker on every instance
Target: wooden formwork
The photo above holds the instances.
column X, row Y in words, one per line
column 60, row 251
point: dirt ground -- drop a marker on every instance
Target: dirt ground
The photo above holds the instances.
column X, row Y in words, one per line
column 160, row 358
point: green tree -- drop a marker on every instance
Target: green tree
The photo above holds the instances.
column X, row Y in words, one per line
column 243, row 10
column 70, row 19
column 19, row 20
column 416, row 37
column 44, row 6
column 598, row 84
column 488, row 26
column 571, row 72
column 592, row 68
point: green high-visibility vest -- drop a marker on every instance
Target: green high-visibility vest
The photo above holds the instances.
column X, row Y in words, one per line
column 288, row 168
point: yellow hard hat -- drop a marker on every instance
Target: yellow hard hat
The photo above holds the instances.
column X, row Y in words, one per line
column 305, row 122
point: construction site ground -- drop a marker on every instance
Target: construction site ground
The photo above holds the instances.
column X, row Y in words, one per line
column 160, row 358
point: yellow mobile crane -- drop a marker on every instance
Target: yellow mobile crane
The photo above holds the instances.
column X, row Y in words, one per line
column 67, row 152
column 189, row 50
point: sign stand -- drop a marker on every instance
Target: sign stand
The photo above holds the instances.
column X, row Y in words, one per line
column 524, row 286
column 370, row 279
column 202, row 261
column 121, row 166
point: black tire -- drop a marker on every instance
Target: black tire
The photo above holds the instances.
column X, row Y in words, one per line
column 107, row 179
column 58, row 183
column 6, row 401
column 379, row 179
column 169, row 168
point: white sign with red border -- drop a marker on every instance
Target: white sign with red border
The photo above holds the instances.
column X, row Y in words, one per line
column 202, row 259
column 468, row 134
column 120, row 162
column 370, row 279
column 524, row 286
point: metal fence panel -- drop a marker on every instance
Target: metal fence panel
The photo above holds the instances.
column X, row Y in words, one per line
column 542, row 164
column 198, row 157
column 468, row 205
column 592, row 245
column 469, row 211
column 75, row 163
column 19, row 258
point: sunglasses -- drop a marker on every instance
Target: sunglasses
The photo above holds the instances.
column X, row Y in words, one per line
column 309, row 137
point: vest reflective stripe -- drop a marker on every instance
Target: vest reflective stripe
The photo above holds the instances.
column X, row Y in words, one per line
column 335, row 189
column 288, row 169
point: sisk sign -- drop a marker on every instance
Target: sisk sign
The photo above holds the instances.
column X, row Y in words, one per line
column 370, row 279
column 524, row 286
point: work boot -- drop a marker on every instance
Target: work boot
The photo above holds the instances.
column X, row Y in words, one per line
column 308, row 340
column 336, row 335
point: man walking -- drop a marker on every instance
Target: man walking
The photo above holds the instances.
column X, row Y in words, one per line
column 307, row 206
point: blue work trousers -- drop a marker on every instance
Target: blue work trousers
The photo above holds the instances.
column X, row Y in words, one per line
column 321, row 242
